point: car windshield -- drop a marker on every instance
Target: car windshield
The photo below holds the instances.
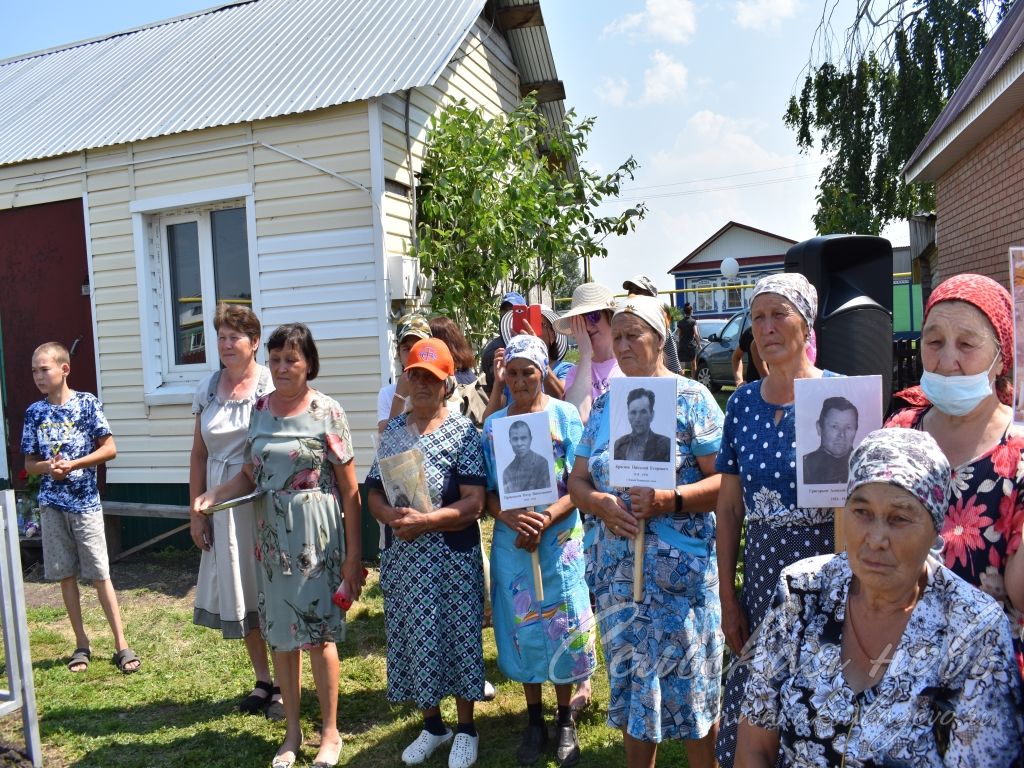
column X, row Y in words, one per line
column 707, row 327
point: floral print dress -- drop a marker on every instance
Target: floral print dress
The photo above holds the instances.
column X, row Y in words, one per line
column 663, row 654
column 950, row 696
column 553, row 640
column 986, row 510
column 299, row 535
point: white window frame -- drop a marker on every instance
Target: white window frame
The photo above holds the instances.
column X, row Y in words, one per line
column 164, row 382
column 698, row 296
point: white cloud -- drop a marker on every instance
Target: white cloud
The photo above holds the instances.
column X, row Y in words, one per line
column 625, row 24
column 758, row 14
column 613, row 90
column 664, row 81
column 671, row 20
column 735, row 176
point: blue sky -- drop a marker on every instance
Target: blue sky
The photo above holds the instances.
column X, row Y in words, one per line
column 694, row 90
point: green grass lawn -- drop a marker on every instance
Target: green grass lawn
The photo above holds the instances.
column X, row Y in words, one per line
column 180, row 708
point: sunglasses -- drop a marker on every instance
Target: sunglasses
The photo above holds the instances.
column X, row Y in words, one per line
column 593, row 318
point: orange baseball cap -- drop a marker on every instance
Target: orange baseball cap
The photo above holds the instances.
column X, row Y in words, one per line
column 434, row 356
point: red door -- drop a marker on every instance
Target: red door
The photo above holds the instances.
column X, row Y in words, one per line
column 44, row 296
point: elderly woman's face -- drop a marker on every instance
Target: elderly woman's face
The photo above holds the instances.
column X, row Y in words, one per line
column 636, row 346
column 888, row 535
column 425, row 389
column 958, row 340
column 780, row 332
column 523, row 379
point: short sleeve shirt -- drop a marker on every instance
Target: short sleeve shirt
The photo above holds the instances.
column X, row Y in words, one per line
column 71, row 430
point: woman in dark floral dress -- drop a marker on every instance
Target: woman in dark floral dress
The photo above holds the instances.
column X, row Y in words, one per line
column 880, row 656
column 966, row 347
column 300, row 452
column 431, row 572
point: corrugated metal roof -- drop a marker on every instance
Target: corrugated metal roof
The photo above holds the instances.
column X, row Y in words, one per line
column 1004, row 44
column 231, row 64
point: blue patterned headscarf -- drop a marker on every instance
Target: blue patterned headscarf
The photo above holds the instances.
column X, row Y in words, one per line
column 794, row 288
column 909, row 459
column 529, row 348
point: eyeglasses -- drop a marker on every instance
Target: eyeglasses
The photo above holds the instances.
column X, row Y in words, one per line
column 593, row 318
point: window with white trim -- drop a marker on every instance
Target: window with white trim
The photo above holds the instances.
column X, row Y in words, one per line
column 190, row 258
column 733, row 295
column 704, row 301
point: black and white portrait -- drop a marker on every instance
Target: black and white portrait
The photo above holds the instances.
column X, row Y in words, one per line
column 528, row 471
column 525, row 460
column 833, row 414
column 837, row 428
column 643, row 425
column 642, row 443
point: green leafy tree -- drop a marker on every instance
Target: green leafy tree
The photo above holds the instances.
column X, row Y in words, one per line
column 869, row 104
column 504, row 201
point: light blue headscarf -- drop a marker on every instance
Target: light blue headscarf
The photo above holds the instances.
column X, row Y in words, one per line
column 529, row 348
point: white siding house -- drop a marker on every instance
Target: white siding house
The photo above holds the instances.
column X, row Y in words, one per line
column 279, row 135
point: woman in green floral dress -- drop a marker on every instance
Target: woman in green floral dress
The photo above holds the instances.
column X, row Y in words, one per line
column 299, row 451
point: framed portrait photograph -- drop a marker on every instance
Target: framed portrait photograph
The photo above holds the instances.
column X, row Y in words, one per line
column 643, row 430
column 833, row 415
column 526, row 461
column 1017, row 283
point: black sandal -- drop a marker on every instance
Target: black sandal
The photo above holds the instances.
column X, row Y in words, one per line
column 253, row 704
column 80, row 658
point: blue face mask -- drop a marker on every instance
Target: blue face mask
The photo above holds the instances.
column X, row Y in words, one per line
column 957, row 395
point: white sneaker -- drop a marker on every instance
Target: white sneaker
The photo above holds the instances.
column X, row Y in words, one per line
column 464, row 750
column 490, row 692
column 424, row 746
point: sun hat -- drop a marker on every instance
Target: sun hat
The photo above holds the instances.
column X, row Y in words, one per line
column 432, row 355
column 413, row 324
column 909, row 459
column 588, row 297
column 561, row 342
column 648, row 309
column 641, row 285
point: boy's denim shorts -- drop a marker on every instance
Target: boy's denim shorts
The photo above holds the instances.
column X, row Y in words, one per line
column 74, row 545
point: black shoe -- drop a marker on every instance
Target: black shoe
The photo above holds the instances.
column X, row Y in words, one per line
column 533, row 745
column 568, row 752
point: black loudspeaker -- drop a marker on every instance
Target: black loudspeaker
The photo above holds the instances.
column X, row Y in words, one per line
column 853, row 277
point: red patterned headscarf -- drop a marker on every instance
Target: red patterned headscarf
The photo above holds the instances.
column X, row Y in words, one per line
column 990, row 298
column 993, row 301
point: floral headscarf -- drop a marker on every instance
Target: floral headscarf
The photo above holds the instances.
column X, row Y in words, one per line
column 909, row 459
column 794, row 288
column 529, row 348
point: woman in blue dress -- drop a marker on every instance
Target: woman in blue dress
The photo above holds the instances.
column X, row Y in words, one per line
column 758, row 466
column 664, row 653
column 550, row 639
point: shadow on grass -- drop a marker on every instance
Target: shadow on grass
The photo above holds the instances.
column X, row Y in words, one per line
column 210, row 748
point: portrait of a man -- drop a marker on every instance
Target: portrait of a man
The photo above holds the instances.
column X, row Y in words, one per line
column 528, row 471
column 837, row 426
column 642, row 444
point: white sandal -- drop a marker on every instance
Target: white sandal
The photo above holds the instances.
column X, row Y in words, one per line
column 424, row 746
column 464, row 751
